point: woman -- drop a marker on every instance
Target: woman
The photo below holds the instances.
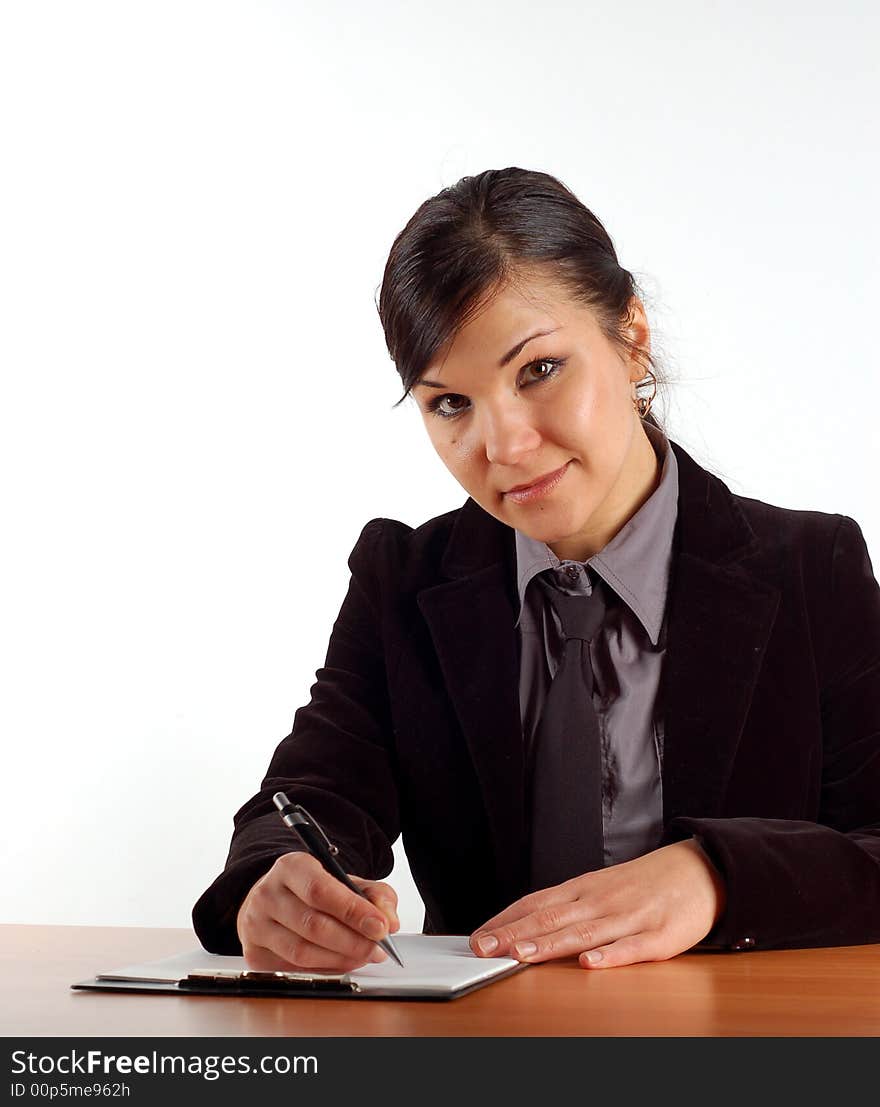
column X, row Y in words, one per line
column 699, row 765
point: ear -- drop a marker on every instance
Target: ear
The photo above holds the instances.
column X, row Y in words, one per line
column 638, row 333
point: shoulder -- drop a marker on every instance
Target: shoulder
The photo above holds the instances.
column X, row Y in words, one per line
column 821, row 562
column 388, row 547
column 822, row 558
column 820, row 537
column 775, row 526
column 776, row 534
column 817, row 561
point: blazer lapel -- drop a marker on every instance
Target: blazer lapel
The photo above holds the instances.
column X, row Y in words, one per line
column 472, row 623
column 719, row 618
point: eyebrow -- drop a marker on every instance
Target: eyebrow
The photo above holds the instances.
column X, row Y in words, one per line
column 508, row 357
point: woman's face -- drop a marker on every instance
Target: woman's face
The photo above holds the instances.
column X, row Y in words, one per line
column 505, row 406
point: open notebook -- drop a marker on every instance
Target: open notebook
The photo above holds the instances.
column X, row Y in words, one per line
column 435, row 967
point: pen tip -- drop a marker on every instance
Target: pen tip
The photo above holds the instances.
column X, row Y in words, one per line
column 389, row 948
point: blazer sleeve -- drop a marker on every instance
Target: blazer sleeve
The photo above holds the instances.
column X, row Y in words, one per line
column 804, row 884
column 337, row 761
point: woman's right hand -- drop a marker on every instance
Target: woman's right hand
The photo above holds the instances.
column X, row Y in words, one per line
column 297, row 917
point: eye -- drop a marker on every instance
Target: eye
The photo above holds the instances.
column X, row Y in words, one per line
column 435, row 406
column 550, row 366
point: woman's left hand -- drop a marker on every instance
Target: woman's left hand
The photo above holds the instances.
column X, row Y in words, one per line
column 647, row 909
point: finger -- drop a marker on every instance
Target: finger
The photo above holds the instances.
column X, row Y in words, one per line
column 376, row 889
column 485, row 938
column 536, row 914
column 272, row 901
column 320, row 929
column 260, row 959
column 543, row 929
column 383, row 896
column 569, row 941
column 294, row 952
column 308, row 880
column 630, row 950
column 270, row 905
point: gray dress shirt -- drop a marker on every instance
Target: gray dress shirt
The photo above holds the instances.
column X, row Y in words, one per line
column 626, row 655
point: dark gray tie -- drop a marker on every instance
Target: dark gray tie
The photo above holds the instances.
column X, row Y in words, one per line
column 566, row 769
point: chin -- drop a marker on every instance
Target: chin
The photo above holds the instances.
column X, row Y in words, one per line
column 552, row 535
column 548, row 533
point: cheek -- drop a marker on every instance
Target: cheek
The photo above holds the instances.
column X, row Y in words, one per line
column 579, row 405
column 578, row 424
column 440, row 440
column 596, row 433
column 451, row 444
column 596, row 415
column 453, row 451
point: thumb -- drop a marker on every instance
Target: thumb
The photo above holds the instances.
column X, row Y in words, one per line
column 384, row 897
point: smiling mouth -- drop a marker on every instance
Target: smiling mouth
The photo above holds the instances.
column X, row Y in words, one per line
column 539, row 487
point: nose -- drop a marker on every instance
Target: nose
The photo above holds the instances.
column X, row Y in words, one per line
column 508, row 433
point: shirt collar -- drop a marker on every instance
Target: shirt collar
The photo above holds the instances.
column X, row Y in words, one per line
column 636, row 562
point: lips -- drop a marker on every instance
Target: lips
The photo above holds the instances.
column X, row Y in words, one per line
column 545, row 479
column 538, row 489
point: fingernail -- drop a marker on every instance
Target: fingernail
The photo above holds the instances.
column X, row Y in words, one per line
column 594, row 956
column 373, row 928
column 487, row 943
column 378, row 955
column 525, row 949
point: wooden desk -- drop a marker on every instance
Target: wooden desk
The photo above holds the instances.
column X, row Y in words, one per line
column 816, row 992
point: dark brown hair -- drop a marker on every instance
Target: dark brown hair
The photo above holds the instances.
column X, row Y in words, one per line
column 473, row 238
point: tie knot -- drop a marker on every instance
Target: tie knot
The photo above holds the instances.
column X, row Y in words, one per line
column 581, row 616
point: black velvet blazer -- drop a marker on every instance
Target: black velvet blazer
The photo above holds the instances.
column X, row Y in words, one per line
column 770, row 698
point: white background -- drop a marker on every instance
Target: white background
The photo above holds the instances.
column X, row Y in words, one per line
column 197, row 200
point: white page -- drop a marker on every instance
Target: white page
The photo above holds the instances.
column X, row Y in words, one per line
column 433, row 965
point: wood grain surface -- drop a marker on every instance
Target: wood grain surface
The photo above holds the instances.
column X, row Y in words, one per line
column 790, row 993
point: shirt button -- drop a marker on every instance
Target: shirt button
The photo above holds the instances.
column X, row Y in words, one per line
column 572, row 572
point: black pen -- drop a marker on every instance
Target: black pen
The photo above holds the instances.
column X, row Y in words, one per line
column 319, row 845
